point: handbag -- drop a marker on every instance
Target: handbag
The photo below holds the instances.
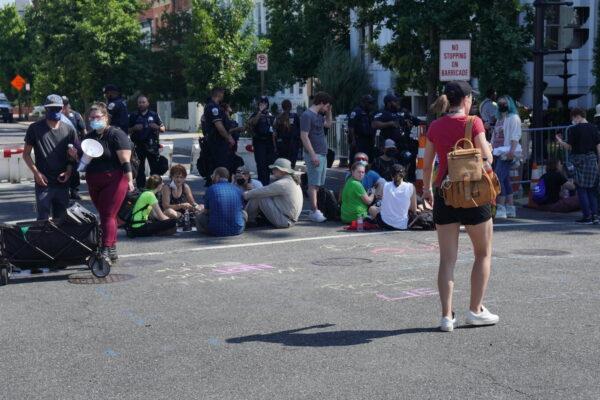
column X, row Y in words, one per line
column 476, row 188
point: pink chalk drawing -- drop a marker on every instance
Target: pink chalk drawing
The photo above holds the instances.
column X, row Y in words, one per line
column 242, row 268
column 409, row 294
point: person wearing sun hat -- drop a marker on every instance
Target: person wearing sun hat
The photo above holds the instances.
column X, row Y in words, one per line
column 281, row 201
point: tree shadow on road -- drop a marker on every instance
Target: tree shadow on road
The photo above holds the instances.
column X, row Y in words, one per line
column 325, row 339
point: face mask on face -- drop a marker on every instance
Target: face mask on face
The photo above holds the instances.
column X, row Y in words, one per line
column 503, row 108
column 53, row 114
column 97, row 124
column 391, row 152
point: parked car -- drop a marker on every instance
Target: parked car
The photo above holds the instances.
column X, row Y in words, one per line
column 5, row 109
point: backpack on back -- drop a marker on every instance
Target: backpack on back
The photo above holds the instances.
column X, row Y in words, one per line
column 327, row 203
column 125, row 214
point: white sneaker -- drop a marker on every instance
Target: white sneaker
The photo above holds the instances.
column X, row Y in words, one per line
column 483, row 318
column 500, row 212
column 447, row 324
column 316, row 216
column 511, row 212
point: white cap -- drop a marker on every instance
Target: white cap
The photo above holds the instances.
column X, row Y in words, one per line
column 389, row 143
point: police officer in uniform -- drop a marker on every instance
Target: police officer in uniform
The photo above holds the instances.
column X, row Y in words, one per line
column 221, row 143
column 361, row 135
column 77, row 121
column 263, row 139
column 145, row 127
column 117, row 107
column 287, row 133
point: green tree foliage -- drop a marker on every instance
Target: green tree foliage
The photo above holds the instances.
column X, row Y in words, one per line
column 218, row 50
column 342, row 76
column 78, row 46
column 417, row 26
column 13, row 48
column 299, row 31
column 501, row 46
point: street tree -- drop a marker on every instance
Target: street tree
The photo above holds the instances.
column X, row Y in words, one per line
column 13, row 48
column 344, row 77
column 299, row 31
column 80, row 46
column 221, row 44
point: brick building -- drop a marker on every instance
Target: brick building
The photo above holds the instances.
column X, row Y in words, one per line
column 150, row 19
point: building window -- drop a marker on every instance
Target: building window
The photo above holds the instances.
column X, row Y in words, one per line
column 300, row 90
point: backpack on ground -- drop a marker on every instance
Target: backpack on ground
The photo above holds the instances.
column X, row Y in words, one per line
column 540, row 194
column 327, row 203
column 422, row 221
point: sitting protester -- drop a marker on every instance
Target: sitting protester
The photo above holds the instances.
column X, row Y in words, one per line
column 372, row 182
column 383, row 164
column 177, row 197
column 223, row 213
column 244, row 181
column 147, row 219
column 553, row 191
column 355, row 199
column 281, row 201
column 399, row 198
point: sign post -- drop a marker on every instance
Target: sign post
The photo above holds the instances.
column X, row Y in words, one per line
column 262, row 65
column 18, row 82
column 455, row 60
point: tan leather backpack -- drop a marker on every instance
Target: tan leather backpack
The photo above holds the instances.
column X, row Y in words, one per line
column 468, row 185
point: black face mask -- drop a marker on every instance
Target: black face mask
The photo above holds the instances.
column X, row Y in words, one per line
column 241, row 181
column 503, row 107
column 391, row 153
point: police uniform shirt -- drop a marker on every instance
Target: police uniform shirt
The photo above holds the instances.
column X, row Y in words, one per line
column 213, row 114
column 78, row 123
column 394, row 133
column 294, row 125
column 360, row 121
column 137, row 118
column 119, row 116
column 263, row 130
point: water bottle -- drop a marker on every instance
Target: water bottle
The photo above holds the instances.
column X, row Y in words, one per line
column 187, row 226
column 360, row 224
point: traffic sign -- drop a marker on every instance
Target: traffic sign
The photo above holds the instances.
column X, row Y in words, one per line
column 18, row 82
column 262, row 62
column 455, row 60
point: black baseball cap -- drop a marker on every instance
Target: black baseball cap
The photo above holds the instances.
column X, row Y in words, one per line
column 458, row 89
column 111, row 88
column 389, row 98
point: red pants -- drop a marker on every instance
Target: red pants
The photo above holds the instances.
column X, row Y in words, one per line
column 108, row 190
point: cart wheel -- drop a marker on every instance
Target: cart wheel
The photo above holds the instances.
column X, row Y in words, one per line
column 99, row 265
column 3, row 276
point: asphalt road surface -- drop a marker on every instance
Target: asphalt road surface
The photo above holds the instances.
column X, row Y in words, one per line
column 312, row 312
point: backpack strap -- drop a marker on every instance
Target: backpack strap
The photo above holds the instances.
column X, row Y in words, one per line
column 469, row 128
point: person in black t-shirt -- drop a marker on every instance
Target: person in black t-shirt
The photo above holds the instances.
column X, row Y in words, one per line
column 583, row 140
column 54, row 145
column 557, row 184
column 384, row 165
column 109, row 176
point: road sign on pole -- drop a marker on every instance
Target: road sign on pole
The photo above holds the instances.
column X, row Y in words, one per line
column 18, row 82
column 455, row 60
column 262, row 62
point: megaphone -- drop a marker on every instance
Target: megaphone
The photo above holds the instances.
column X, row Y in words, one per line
column 91, row 149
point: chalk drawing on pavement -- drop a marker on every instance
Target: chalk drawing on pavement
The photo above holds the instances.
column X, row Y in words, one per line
column 408, row 294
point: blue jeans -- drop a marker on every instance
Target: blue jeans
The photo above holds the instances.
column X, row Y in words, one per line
column 503, row 172
column 588, row 200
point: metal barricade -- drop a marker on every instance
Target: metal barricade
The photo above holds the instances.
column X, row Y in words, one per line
column 540, row 145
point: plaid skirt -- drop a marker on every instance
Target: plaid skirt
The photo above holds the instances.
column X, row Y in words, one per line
column 586, row 169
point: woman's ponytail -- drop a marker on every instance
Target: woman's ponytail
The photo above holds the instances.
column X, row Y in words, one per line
column 441, row 105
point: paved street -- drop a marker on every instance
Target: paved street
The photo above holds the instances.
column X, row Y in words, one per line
column 307, row 313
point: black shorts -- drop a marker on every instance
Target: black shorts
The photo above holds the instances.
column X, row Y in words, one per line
column 443, row 214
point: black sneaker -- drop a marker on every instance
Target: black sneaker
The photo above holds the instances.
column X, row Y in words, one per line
column 104, row 252
column 585, row 221
column 112, row 253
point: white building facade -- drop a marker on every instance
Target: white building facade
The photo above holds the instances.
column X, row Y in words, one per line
column 557, row 37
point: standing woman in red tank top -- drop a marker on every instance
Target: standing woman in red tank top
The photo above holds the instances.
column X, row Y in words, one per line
column 442, row 135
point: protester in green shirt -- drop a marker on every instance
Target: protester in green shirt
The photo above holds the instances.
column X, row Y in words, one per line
column 355, row 199
column 147, row 219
